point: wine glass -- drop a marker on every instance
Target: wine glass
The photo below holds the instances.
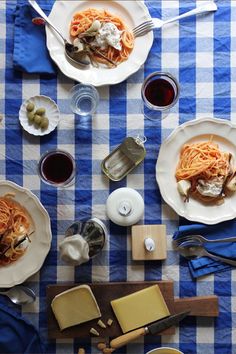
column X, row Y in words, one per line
column 160, row 92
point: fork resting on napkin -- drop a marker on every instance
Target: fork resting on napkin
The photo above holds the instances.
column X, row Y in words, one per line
column 204, row 265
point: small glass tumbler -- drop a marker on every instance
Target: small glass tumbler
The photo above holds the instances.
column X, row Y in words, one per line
column 57, row 168
column 160, row 92
column 84, row 99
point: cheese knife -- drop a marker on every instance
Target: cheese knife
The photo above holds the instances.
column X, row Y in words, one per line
column 153, row 328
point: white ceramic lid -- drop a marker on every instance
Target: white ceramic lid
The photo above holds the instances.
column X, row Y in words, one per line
column 125, row 206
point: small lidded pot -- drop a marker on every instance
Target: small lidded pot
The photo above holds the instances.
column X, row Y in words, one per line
column 83, row 240
column 125, row 206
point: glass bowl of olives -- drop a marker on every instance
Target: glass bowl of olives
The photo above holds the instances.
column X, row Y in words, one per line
column 39, row 115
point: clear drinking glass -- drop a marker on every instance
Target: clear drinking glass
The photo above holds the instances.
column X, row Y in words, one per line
column 57, row 168
column 160, row 92
column 84, row 99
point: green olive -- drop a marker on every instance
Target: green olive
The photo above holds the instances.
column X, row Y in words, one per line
column 40, row 111
column 37, row 119
column 30, row 116
column 30, row 107
column 44, row 123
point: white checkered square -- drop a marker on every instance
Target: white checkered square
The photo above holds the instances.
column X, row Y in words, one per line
column 2, row 31
column 168, row 213
column 135, row 121
column 30, row 90
column 170, row 60
column 103, row 92
column 134, row 91
column 205, row 335
column 135, row 181
column 67, row 122
column 205, row 90
column 65, row 212
column 100, row 273
column 63, row 91
column 2, row 66
column 171, row 121
column 204, row 60
column 136, row 272
column 100, row 182
column 204, row 29
column 32, row 151
column 65, row 273
column 100, row 151
column 233, row 89
column 31, row 182
column 171, row 31
column 101, row 121
column 99, row 211
column 170, row 271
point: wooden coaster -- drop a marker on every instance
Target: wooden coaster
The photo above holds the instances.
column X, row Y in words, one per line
column 157, row 233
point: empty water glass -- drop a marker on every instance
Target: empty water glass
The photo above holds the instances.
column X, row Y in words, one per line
column 84, row 99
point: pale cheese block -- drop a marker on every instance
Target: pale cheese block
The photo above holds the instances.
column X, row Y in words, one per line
column 75, row 306
column 140, row 308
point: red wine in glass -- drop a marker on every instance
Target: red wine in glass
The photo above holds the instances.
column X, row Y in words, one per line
column 160, row 91
column 57, row 168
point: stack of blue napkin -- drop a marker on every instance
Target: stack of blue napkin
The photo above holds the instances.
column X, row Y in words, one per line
column 17, row 336
column 30, row 51
column 204, row 265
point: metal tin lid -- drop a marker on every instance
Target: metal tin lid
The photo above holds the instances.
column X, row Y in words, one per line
column 125, row 206
column 129, row 154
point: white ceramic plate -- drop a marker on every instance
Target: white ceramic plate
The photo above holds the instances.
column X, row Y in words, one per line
column 52, row 113
column 27, row 265
column 224, row 133
column 132, row 12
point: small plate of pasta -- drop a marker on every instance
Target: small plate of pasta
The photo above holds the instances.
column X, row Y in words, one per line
column 198, row 179
column 25, row 234
column 101, row 32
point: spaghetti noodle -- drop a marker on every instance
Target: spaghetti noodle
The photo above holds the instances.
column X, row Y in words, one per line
column 14, row 225
column 206, row 167
column 83, row 20
column 202, row 160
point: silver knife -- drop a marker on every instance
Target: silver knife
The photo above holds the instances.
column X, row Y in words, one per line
column 153, row 328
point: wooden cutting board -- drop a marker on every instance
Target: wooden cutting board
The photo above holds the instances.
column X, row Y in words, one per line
column 105, row 292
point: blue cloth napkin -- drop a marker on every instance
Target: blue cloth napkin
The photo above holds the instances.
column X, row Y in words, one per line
column 17, row 336
column 30, row 52
column 204, row 265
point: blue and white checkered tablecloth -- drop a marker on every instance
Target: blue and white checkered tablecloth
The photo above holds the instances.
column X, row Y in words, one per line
column 201, row 54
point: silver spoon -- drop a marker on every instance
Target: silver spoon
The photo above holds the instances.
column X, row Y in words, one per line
column 20, row 295
column 69, row 48
column 192, row 250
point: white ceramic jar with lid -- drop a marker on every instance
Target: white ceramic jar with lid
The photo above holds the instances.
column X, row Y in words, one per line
column 125, row 206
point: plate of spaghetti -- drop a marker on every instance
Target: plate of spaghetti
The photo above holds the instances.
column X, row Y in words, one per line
column 25, row 234
column 198, row 180
column 101, row 32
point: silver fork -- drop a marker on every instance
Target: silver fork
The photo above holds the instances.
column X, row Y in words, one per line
column 200, row 238
column 154, row 23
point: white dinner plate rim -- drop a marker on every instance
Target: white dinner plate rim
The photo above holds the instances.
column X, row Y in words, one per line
column 25, row 273
column 187, row 127
column 144, row 42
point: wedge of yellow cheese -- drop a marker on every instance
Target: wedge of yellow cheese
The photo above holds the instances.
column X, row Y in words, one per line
column 75, row 306
column 140, row 308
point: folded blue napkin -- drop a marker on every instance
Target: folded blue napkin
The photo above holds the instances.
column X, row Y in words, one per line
column 30, row 52
column 204, row 265
column 17, row 336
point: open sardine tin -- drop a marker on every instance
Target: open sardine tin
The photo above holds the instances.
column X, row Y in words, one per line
column 121, row 161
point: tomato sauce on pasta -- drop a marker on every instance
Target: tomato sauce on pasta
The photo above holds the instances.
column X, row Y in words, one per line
column 14, row 223
column 83, row 20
